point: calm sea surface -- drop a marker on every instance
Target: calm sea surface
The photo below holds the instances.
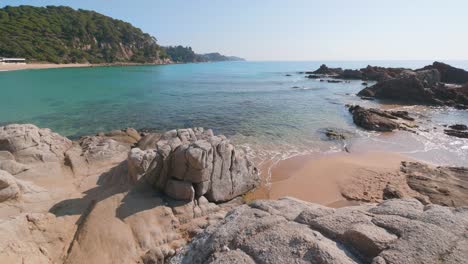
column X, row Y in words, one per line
column 252, row 102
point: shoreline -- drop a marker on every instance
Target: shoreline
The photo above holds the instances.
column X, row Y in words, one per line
column 327, row 179
column 41, row 66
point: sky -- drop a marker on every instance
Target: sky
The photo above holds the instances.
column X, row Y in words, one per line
column 295, row 30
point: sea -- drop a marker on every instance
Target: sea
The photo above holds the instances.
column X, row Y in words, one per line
column 268, row 108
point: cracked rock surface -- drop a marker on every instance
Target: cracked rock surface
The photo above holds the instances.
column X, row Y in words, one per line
column 293, row 231
column 190, row 163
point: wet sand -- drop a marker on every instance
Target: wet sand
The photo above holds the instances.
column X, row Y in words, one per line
column 320, row 178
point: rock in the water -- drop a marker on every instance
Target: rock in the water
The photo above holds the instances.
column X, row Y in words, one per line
column 324, row 70
column 293, row 231
column 335, row 133
column 443, row 185
column 380, row 73
column 460, row 127
column 373, row 119
column 30, row 144
column 448, row 73
column 407, row 87
column 352, row 74
column 456, row 133
column 209, row 164
column 424, row 86
column 313, row 76
column 457, row 130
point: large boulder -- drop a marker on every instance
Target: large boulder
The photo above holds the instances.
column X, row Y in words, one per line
column 30, row 144
column 380, row 120
column 407, row 87
column 294, row 231
column 449, row 74
column 189, row 163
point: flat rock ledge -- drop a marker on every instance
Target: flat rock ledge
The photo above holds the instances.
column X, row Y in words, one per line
column 293, row 231
column 189, row 163
column 380, row 120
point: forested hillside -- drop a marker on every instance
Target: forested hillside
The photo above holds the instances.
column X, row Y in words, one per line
column 64, row 35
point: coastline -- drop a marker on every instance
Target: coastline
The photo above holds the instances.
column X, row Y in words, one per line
column 40, row 66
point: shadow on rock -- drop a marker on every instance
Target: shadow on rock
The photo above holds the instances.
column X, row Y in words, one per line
column 109, row 183
column 143, row 197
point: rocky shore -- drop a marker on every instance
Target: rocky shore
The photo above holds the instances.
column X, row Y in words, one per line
column 102, row 199
column 131, row 197
column 437, row 84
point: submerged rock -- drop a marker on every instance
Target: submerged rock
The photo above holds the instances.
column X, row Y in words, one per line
column 293, row 231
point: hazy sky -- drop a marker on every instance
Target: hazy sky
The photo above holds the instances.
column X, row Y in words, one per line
column 297, row 29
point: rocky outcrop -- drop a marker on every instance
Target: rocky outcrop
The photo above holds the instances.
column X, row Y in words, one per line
column 380, row 73
column 293, row 231
column 352, row 74
column 425, row 86
column 448, row 73
column 86, row 208
column 30, row 144
column 457, row 130
column 408, row 87
column 190, row 163
column 380, row 120
column 324, row 70
column 369, row 73
column 442, row 185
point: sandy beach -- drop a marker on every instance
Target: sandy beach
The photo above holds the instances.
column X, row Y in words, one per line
column 36, row 66
column 325, row 178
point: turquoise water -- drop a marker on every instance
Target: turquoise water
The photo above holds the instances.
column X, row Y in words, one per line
column 253, row 102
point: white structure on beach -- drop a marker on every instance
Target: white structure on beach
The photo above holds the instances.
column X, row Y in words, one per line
column 12, row 61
